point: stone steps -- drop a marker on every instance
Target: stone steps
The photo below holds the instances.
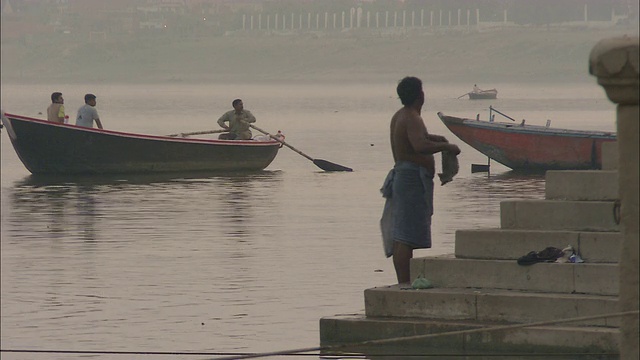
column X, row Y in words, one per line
column 568, row 278
column 581, row 185
column 481, row 285
column 558, row 215
column 570, row 340
column 506, row 244
column 487, row 305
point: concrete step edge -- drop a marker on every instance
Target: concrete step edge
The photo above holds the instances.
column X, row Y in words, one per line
column 538, row 339
column 452, row 257
column 558, row 215
column 449, row 272
column 488, row 305
column 490, row 292
column 510, row 244
column 581, row 185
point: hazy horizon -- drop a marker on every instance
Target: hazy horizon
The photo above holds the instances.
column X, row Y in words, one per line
column 406, row 39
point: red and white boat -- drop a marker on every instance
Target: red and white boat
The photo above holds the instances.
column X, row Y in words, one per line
column 530, row 147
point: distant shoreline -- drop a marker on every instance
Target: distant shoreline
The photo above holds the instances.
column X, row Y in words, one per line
column 513, row 55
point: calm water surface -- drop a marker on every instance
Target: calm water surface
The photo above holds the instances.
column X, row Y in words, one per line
column 234, row 262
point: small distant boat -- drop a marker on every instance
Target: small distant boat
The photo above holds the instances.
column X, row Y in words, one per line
column 51, row 148
column 483, row 94
column 479, row 94
column 530, row 147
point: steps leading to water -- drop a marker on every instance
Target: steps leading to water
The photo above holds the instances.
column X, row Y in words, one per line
column 489, row 305
column 507, row 244
column 355, row 329
column 481, row 285
column 586, row 278
column 558, row 215
column 581, row 185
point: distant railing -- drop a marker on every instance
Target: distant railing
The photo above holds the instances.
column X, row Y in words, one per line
column 359, row 18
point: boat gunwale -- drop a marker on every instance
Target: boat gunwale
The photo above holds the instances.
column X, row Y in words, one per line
column 146, row 137
column 529, row 129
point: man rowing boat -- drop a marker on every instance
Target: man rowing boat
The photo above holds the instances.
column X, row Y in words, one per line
column 239, row 120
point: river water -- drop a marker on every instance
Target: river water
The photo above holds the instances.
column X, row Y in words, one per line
column 235, row 263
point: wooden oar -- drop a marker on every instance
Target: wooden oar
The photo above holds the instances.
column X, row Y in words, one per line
column 198, row 133
column 462, row 95
column 322, row 164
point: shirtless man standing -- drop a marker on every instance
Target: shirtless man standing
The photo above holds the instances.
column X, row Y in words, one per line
column 412, row 188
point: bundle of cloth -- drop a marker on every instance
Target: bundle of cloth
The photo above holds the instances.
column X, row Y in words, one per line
column 551, row 254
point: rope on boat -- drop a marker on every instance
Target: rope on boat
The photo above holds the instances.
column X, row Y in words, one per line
column 324, row 349
column 491, row 108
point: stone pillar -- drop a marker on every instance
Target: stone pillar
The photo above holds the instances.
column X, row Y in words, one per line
column 615, row 62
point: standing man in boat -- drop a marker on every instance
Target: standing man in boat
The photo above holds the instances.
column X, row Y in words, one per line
column 411, row 180
column 476, row 89
column 87, row 113
column 55, row 111
column 239, row 120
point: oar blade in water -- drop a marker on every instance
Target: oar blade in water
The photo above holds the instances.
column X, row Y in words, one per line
column 329, row 166
column 322, row 164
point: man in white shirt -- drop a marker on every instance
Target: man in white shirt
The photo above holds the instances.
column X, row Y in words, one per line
column 87, row 113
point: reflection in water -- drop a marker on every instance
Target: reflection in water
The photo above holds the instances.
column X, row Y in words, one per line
column 474, row 201
column 69, row 207
column 64, row 210
column 86, row 210
column 507, row 185
column 42, row 209
column 95, row 256
column 143, row 179
column 237, row 200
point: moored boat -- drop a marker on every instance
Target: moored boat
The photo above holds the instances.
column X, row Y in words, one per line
column 50, row 148
column 531, row 147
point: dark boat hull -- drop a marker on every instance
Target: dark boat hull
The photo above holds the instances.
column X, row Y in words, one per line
column 529, row 147
column 50, row 148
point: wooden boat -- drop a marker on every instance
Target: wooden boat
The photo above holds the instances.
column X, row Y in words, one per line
column 50, row 148
column 531, row 147
column 483, row 94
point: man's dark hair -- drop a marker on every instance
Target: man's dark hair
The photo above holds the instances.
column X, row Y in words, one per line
column 409, row 90
column 89, row 97
column 55, row 96
column 234, row 102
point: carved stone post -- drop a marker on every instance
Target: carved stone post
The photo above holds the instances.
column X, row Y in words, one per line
column 615, row 62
